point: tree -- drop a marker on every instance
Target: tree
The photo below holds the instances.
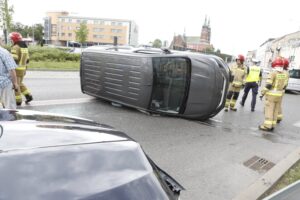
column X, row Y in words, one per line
column 35, row 31
column 6, row 16
column 157, row 43
column 82, row 33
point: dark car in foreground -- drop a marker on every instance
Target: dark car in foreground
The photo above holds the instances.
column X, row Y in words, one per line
column 45, row 156
column 185, row 84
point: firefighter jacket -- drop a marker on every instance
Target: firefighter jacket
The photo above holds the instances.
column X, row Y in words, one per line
column 254, row 74
column 20, row 54
column 238, row 74
column 275, row 84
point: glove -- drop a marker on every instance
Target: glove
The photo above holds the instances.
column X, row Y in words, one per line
column 261, row 97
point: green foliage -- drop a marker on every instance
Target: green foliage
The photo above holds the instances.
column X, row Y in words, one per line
column 51, row 54
column 52, row 65
column 6, row 14
column 35, row 31
column 157, row 43
column 82, row 33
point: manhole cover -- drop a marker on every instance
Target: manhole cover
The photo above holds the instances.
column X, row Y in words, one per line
column 258, row 164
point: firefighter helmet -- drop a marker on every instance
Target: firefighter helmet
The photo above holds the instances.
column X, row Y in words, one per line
column 15, row 37
column 241, row 58
column 285, row 63
column 278, row 62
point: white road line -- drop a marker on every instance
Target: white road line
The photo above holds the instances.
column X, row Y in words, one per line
column 57, row 102
column 297, row 124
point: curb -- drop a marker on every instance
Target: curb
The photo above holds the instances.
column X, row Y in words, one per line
column 256, row 190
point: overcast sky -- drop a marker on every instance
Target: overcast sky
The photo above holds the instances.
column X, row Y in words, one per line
column 236, row 26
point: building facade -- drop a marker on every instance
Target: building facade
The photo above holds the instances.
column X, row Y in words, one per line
column 287, row 46
column 60, row 27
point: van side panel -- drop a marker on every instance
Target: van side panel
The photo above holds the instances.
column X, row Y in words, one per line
column 126, row 79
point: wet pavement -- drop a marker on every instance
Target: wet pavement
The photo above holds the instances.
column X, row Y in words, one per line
column 205, row 157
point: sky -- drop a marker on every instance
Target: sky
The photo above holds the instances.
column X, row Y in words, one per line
column 236, row 26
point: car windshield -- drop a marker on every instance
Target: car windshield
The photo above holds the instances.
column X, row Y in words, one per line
column 295, row 73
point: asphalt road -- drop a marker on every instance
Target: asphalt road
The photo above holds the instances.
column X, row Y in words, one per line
column 205, row 157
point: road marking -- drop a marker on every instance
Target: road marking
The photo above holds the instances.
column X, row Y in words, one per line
column 297, row 124
column 57, row 102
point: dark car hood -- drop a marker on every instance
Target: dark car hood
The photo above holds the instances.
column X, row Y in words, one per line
column 27, row 129
column 56, row 157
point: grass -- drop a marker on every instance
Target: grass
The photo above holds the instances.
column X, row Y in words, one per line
column 54, row 65
column 291, row 176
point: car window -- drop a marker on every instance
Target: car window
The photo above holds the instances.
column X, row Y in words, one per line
column 295, row 73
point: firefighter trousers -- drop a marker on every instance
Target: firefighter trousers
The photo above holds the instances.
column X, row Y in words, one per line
column 272, row 104
column 22, row 88
column 232, row 96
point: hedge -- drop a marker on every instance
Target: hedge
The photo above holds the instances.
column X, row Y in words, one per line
column 37, row 53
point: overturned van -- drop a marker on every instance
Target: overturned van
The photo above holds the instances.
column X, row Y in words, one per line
column 184, row 84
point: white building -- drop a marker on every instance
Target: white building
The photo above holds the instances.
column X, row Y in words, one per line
column 287, row 46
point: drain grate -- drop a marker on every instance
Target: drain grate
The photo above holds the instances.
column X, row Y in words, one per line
column 258, row 164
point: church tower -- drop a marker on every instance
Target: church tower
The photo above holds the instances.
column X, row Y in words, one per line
column 206, row 32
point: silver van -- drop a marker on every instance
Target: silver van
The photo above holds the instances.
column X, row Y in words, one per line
column 184, row 84
column 294, row 80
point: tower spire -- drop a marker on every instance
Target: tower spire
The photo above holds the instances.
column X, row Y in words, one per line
column 205, row 22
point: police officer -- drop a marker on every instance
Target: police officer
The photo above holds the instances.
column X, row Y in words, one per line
column 238, row 74
column 20, row 54
column 273, row 91
column 286, row 71
column 253, row 79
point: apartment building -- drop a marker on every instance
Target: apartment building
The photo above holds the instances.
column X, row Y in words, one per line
column 60, row 27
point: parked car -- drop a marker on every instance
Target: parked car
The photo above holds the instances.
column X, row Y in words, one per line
column 185, row 84
column 46, row 156
column 294, row 80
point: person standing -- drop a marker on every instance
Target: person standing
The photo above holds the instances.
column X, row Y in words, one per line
column 286, row 71
column 238, row 74
column 253, row 80
column 273, row 92
column 20, row 54
column 8, row 80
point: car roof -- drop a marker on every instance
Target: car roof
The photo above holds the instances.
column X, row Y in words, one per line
column 27, row 129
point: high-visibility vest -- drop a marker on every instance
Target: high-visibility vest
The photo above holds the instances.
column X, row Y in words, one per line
column 254, row 74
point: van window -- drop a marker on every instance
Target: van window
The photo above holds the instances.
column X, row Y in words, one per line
column 295, row 73
column 170, row 81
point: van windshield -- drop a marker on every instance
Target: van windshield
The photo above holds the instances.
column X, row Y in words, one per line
column 170, row 80
column 295, row 73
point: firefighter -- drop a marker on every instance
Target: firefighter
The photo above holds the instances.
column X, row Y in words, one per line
column 273, row 91
column 238, row 74
column 253, row 80
column 286, row 71
column 20, row 54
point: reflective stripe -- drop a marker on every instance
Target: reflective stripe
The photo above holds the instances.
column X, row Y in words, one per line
column 274, row 122
column 26, row 92
column 275, row 93
column 237, row 83
column 268, row 122
column 21, row 68
column 18, row 97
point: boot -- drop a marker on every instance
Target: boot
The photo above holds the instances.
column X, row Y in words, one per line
column 226, row 110
column 19, row 103
column 28, row 98
column 263, row 128
column 233, row 109
column 241, row 103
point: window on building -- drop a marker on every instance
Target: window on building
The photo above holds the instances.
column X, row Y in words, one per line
column 62, row 34
column 102, row 22
column 70, row 20
column 96, row 21
column 119, row 23
column 98, row 29
column 113, row 23
column 78, row 21
column 98, row 36
column 70, row 34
